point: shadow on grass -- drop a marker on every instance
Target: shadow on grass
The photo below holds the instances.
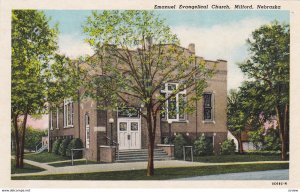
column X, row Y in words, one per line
column 27, row 168
column 45, row 157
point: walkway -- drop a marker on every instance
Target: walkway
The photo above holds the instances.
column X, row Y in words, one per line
column 282, row 174
column 89, row 168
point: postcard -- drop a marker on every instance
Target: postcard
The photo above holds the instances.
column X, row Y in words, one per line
column 155, row 94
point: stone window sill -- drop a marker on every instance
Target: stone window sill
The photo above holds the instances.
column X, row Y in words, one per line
column 209, row 122
column 69, row 126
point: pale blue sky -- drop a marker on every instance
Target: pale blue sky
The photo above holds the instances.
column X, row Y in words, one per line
column 217, row 34
column 70, row 21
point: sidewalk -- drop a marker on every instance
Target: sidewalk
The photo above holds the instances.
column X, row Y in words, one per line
column 90, row 168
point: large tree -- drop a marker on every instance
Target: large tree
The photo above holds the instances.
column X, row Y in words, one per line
column 268, row 67
column 39, row 75
column 245, row 111
column 136, row 55
column 33, row 45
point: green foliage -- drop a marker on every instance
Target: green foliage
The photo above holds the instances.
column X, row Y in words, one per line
column 55, row 146
column 33, row 137
column 179, row 142
column 141, row 42
column 257, row 137
column 33, row 46
column 68, row 77
column 228, row 147
column 63, row 146
column 269, row 50
column 75, row 143
column 268, row 68
column 140, row 53
column 266, row 140
column 39, row 76
column 203, row 146
column 272, row 140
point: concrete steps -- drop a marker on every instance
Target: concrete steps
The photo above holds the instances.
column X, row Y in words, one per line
column 137, row 155
column 43, row 148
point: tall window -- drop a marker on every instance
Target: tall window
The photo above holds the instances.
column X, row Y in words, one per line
column 174, row 106
column 208, row 106
column 68, row 113
column 87, row 131
column 54, row 119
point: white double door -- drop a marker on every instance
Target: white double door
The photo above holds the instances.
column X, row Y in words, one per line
column 129, row 133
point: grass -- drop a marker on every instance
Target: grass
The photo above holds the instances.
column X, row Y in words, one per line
column 160, row 173
column 45, row 157
column 27, row 168
column 69, row 163
column 236, row 158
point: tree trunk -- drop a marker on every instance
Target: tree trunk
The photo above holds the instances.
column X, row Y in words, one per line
column 16, row 138
column 23, row 141
column 284, row 149
column 19, row 140
column 283, row 130
column 239, row 139
column 150, row 166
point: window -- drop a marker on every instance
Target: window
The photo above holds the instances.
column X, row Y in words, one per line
column 208, row 106
column 129, row 112
column 87, row 131
column 174, row 106
column 54, row 119
column 68, row 113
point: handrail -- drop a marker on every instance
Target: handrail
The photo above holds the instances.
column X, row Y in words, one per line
column 79, row 149
column 116, row 144
column 36, row 147
column 192, row 155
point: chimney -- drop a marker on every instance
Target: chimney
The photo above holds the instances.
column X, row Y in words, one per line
column 191, row 47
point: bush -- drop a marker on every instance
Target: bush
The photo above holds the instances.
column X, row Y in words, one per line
column 179, row 142
column 203, row 146
column 33, row 137
column 228, row 147
column 63, row 146
column 272, row 140
column 55, row 146
column 76, row 143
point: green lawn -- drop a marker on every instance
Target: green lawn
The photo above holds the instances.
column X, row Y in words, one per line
column 45, row 157
column 69, row 163
column 236, row 158
column 27, row 168
column 160, row 174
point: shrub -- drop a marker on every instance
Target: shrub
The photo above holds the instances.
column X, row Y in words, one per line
column 63, row 146
column 76, row 143
column 203, row 146
column 272, row 140
column 179, row 142
column 55, row 146
column 228, row 147
column 188, row 140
